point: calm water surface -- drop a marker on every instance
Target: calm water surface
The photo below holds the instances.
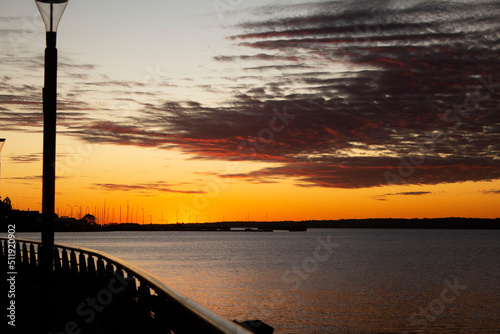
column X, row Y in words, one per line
column 325, row 281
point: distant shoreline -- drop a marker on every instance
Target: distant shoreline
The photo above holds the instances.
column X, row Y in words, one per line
column 379, row 223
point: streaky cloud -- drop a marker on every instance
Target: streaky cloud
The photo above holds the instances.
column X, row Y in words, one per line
column 341, row 95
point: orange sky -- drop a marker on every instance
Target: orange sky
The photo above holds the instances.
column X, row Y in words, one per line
column 197, row 197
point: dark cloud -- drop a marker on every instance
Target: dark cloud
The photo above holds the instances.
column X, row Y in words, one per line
column 28, row 180
column 21, row 121
column 25, row 158
column 491, row 192
column 32, row 121
column 159, row 186
column 342, row 94
column 22, row 108
column 277, row 67
column 372, row 172
column 414, row 193
column 406, row 193
column 257, row 57
column 375, row 104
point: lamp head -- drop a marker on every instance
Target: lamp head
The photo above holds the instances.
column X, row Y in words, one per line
column 2, row 141
column 51, row 11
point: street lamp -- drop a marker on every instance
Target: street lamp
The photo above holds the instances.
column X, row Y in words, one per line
column 51, row 11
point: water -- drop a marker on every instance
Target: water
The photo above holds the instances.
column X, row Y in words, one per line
column 362, row 281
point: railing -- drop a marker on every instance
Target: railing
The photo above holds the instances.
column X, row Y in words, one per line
column 91, row 278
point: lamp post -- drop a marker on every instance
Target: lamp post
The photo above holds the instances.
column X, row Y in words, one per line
column 51, row 12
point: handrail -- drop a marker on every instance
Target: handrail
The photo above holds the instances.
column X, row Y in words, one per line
column 85, row 263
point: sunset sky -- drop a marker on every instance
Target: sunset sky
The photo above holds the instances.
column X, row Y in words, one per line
column 214, row 110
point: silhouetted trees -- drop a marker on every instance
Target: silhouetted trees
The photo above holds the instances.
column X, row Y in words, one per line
column 89, row 219
column 5, row 208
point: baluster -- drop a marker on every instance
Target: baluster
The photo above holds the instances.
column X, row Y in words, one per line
column 119, row 275
column 161, row 308
column 57, row 260
column 91, row 267
column 83, row 264
column 33, row 260
column 130, row 288
column 65, row 261
column 132, row 284
column 18, row 252
column 26, row 259
column 110, row 269
column 144, row 293
column 101, row 270
column 74, row 263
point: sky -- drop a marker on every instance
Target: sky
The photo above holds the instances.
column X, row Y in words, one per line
column 219, row 110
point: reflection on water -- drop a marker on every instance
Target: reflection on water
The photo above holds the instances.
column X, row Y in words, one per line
column 326, row 281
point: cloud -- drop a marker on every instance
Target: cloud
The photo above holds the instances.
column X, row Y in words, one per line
column 364, row 172
column 256, row 57
column 28, row 121
column 381, row 100
column 27, row 180
column 25, row 158
column 405, row 193
column 384, row 197
column 142, row 188
column 277, row 67
column 413, row 193
column 348, row 94
column 491, row 192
